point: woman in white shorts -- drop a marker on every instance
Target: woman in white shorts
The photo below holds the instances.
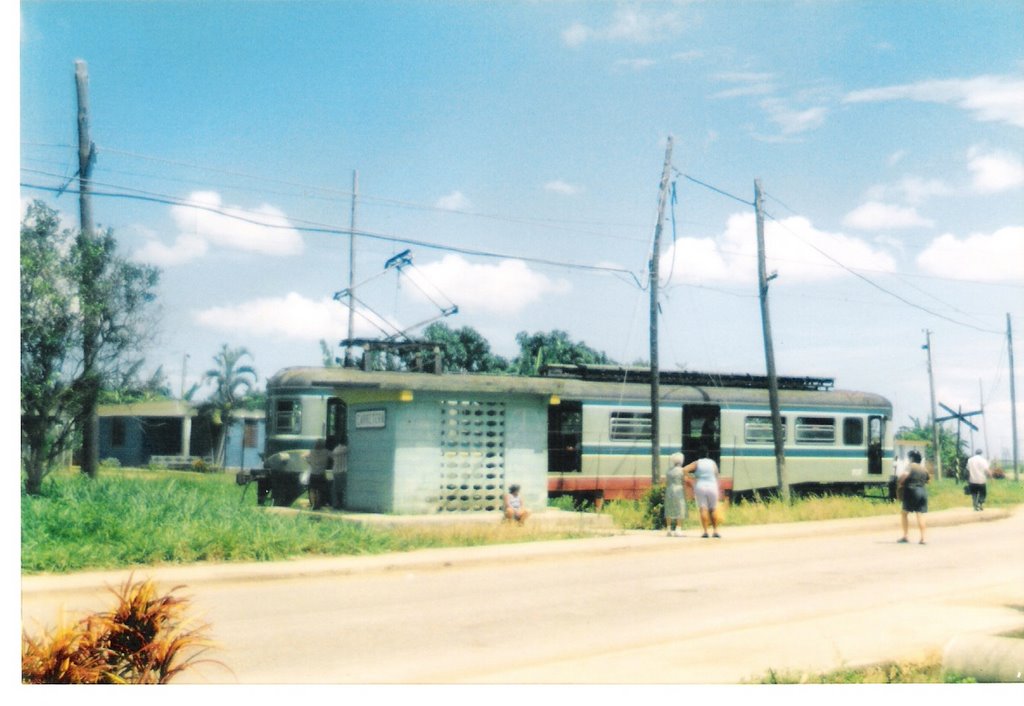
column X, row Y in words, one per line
column 705, row 491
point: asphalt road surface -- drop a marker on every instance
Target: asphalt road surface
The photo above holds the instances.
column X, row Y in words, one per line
column 640, row 608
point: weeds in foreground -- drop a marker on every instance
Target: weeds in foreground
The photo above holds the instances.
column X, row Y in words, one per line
column 146, row 639
column 928, row 671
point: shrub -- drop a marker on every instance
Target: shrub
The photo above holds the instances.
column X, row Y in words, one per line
column 654, row 507
column 110, row 462
column 201, row 465
column 142, row 641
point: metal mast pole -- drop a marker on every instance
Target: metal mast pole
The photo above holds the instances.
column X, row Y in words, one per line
column 1013, row 397
column 653, row 277
column 351, row 270
column 90, row 328
column 931, row 388
column 769, row 352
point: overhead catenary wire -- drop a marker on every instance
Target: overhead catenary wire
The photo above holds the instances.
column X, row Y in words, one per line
column 329, row 230
column 845, row 267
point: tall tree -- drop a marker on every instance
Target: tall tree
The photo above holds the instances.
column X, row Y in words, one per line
column 232, row 381
column 465, row 350
column 540, row 349
column 59, row 387
column 922, row 431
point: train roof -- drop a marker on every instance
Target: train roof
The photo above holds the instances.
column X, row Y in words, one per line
column 566, row 388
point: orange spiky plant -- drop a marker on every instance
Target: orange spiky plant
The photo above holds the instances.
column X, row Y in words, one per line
column 144, row 640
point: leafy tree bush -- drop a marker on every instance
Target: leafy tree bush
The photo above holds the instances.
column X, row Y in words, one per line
column 84, row 314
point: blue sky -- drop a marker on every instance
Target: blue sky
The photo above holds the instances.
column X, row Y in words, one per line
column 887, row 136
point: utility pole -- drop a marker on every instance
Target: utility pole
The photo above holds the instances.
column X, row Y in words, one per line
column 981, row 402
column 653, row 276
column 90, row 327
column 769, row 353
column 351, row 269
column 1013, row 397
column 935, row 425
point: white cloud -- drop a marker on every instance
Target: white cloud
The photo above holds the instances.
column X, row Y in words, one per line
column 875, row 215
column 992, row 257
column 635, row 64
column 455, row 201
column 627, row 25
column 293, row 317
column 793, row 122
column 561, row 187
column 896, row 157
column 207, row 221
column 987, row 98
column 745, row 84
column 732, row 257
column 995, row 171
column 910, row 189
column 505, row 288
column 185, row 249
column 691, row 55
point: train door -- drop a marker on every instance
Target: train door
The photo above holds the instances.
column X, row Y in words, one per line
column 565, row 437
column 876, row 435
column 702, row 429
column 336, row 431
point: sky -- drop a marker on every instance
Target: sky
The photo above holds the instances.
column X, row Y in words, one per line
column 516, row 150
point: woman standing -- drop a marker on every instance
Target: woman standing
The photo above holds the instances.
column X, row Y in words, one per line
column 705, row 471
column 675, row 501
column 912, row 487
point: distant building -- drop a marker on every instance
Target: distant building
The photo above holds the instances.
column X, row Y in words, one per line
column 171, row 431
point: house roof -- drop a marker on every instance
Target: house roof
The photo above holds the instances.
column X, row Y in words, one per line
column 165, row 408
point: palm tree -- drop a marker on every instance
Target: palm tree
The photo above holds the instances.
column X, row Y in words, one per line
column 232, row 381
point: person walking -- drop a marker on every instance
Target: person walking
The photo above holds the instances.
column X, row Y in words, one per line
column 912, row 488
column 978, row 473
column 675, row 500
column 705, row 490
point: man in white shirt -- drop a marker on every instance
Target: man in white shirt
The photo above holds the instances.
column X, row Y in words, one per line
column 978, row 472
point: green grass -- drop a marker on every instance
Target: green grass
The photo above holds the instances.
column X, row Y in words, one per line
column 134, row 517
column 927, row 671
column 942, row 495
column 131, row 517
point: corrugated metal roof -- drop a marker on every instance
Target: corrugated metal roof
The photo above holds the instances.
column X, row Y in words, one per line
column 565, row 388
column 165, row 408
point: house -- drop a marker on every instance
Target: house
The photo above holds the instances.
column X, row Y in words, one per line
column 171, row 433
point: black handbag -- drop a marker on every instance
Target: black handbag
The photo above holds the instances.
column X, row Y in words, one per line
column 967, row 490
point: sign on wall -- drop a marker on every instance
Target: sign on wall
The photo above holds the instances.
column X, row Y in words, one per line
column 371, row 419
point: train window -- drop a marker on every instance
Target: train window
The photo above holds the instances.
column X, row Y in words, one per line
column 630, row 426
column 287, row 417
column 853, row 431
column 758, row 430
column 815, row 430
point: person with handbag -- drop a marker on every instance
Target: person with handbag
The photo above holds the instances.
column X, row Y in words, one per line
column 705, row 491
column 912, row 487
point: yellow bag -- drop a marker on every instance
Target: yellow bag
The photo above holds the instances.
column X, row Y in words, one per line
column 719, row 513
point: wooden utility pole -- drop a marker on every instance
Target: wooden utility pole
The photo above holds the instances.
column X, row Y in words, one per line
column 653, row 276
column 936, row 449
column 1013, row 397
column 90, row 327
column 769, row 353
column 351, row 270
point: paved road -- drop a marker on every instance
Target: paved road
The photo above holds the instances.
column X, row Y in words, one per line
column 637, row 608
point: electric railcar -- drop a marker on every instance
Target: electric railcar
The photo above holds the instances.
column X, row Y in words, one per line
column 595, row 422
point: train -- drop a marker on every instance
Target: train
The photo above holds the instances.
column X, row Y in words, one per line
column 442, row 442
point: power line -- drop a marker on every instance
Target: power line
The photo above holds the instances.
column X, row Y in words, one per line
column 329, row 230
column 878, row 286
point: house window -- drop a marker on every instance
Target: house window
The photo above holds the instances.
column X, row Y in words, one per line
column 630, row 426
column 250, row 434
column 287, row 417
column 758, row 430
column 853, row 431
column 815, row 430
column 117, row 431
